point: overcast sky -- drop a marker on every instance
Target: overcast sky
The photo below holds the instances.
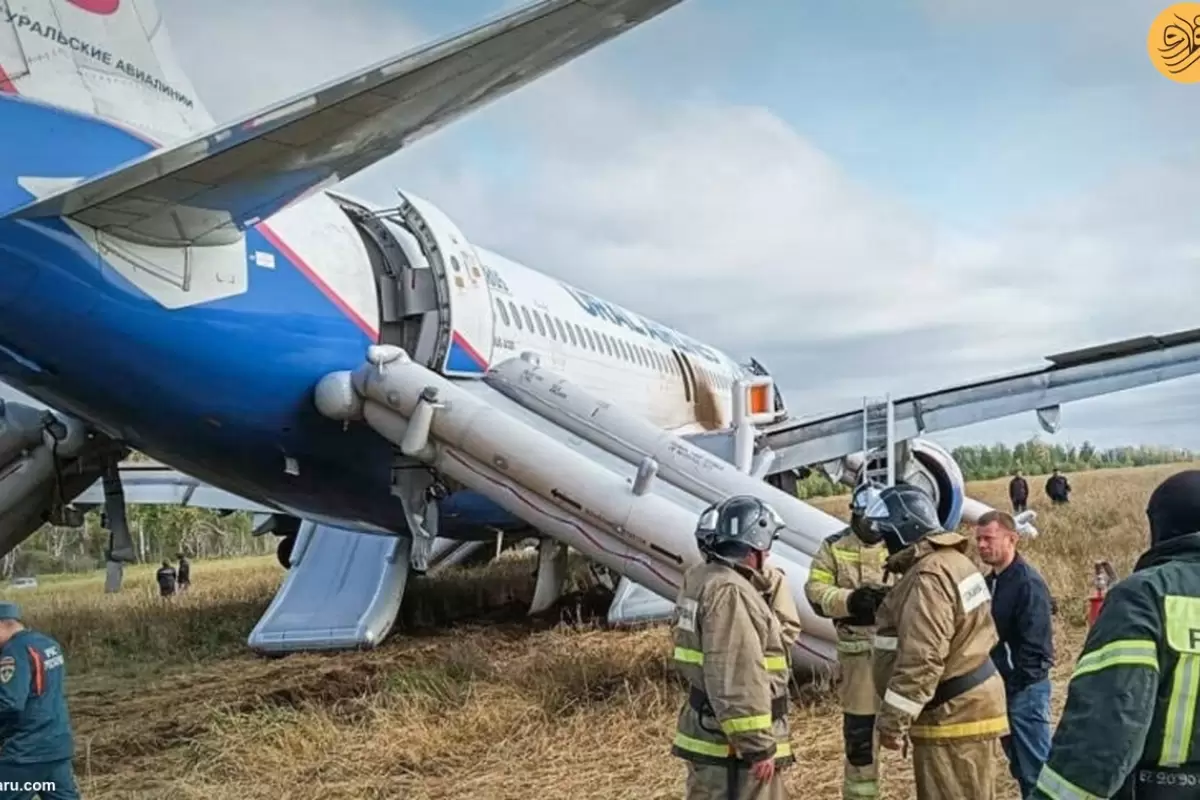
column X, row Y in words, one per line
column 867, row 196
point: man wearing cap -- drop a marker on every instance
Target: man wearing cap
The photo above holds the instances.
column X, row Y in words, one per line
column 1129, row 726
column 36, row 744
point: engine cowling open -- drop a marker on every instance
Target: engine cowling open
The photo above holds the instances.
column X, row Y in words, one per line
column 931, row 467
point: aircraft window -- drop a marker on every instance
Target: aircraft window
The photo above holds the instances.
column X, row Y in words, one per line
column 643, row 356
column 637, row 354
column 662, row 362
column 628, row 351
column 620, row 343
column 528, row 319
column 516, row 318
column 538, row 319
column 571, row 334
column 550, row 325
column 503, row 312
column 562, row 332
column 608, row 345
column 590, row 339
column 579, row 330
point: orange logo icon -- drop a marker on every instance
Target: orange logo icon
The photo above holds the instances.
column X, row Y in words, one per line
column 1174, row 42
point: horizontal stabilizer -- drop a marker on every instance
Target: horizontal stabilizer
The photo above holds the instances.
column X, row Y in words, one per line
column 207, row 190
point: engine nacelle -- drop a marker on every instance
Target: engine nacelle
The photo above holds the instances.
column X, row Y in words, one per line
column 935, row 470
column 931, row 467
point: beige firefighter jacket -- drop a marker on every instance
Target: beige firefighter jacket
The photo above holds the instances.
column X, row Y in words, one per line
column 779, row 597
column 842, row 564
column 731, row 649
column 936, row 624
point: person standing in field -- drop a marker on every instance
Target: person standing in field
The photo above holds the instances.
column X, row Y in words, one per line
column 1128, row 730
column 732, row 647
column 1021, row 609
column 185, row 573
column 1018, row 492
column 166, row 578
column 36, row 742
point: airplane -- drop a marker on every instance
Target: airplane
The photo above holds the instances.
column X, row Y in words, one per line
column 202, row 293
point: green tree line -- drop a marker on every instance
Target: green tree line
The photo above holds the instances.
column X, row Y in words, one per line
column 162, row 532
column 981, row 462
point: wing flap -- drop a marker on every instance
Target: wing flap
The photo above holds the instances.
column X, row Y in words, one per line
column 206, row 191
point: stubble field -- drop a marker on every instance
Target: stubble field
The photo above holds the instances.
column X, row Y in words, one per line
column 468, row 698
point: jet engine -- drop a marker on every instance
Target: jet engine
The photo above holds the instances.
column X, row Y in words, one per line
column 930, row 466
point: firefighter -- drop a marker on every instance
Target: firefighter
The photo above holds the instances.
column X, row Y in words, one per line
column 933, row 642
column 1127, row 730
column 732, row 649
column 36, row 743
column 845, row 584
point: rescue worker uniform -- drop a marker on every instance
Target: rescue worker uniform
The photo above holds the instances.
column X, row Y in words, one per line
column 843, row 564
column 732, row 650
column 933, row 643
column 36, row 743
column 1128, row 729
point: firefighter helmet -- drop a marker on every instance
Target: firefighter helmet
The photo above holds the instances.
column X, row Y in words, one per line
column 903, row 514
column 737, row 525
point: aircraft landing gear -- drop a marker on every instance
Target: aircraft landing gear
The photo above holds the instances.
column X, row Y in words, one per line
column 283, row 550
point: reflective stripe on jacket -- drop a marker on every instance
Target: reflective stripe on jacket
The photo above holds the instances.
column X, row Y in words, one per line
column 936, row 624
column 1132, row 701
column 842, row 564
column 730, row 647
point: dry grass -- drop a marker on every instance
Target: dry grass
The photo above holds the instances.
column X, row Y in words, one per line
column 167, row 701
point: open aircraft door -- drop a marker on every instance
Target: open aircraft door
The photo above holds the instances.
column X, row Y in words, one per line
column 465, row 335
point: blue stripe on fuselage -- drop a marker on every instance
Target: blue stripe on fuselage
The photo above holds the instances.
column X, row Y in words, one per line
column 221, row 390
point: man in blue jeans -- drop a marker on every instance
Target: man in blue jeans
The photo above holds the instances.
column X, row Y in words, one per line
column 1021, row 609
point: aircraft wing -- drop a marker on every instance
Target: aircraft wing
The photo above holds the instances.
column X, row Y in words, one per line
column 158, row 484
column 207, row 190
column 1071, row 376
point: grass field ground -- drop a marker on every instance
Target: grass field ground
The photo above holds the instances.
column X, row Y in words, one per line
column 468, row 698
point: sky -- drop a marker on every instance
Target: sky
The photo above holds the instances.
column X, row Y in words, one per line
column 867, row 196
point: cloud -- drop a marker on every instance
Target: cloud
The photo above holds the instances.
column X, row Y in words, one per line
column 726, row 222
column 243, row 55
column 719, row 218
column 723, row 220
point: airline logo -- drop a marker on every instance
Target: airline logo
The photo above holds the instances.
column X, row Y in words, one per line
column 104, row 7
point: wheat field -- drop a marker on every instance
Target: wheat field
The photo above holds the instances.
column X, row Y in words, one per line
column 469, row 697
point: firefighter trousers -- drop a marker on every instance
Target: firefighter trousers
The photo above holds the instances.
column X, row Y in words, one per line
column 856, row 691
column 956, row 768
column 711, row 782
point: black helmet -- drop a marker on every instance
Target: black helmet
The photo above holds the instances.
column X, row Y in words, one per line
column 864, row 495
column 903, row 514
column 1174, row 507
column 736, row 526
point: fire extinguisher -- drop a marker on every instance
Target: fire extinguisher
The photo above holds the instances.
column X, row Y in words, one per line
column 1103, row 577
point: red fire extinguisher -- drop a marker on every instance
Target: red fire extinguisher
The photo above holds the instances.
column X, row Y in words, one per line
column 1104, row 577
